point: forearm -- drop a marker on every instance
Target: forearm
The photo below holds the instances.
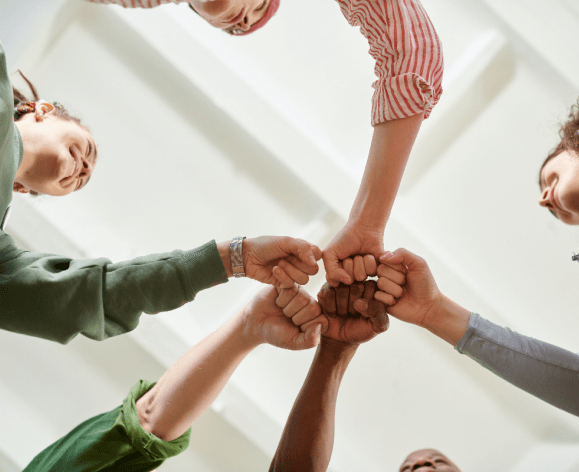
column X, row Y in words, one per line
column 448, row 320
column 64, row 297
column 307, row 440
column 541, row 369
column 392, row 143
column 189, row 387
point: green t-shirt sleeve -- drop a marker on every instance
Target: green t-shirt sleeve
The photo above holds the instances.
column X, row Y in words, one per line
column 56, row 298
column 112, row 441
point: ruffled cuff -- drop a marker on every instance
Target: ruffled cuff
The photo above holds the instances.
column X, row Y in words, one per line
column 153, row 448
column 403, row 96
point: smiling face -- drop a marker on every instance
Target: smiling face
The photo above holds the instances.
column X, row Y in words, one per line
column 232, row 16
column 428, row 460
column 559, row 182
column 59, row 156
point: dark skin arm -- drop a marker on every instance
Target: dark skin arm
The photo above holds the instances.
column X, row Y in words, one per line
column 308, row 437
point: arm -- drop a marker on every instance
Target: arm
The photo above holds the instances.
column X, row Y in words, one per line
column 308, row 437
column 152, row 424
column 56, row 298
column 188, row 388
column 541, row 369
column 409, row 66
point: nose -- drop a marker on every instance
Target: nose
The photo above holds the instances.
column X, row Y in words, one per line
column 421, row 463
column 87, row 168
column 544, row 198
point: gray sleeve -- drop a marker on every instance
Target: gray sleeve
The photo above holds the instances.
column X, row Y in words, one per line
column 546, row 371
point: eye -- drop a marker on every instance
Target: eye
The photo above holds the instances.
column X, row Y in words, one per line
column 262, row 6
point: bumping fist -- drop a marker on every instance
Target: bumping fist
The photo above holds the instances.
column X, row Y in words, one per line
column 354, row 316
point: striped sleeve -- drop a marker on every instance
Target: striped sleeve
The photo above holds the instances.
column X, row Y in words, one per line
column 136, row 3
column 408, row 55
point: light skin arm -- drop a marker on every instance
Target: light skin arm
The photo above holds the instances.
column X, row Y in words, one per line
column 260, row 255
column 419, row 301
column 363, row 233
column 189, row 387
column 308, row 437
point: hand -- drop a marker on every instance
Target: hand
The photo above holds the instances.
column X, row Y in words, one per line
column 275, row 316
column 350, row 241
column 354, row 317
column 417, row 297
column 296, row 257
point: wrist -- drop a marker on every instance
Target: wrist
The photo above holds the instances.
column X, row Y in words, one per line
column 249, row 331
column 225, row 254
column 448, row 321
column 337, row 348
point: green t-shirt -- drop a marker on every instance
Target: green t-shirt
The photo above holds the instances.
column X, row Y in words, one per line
column 56, row 297
column 113, row 441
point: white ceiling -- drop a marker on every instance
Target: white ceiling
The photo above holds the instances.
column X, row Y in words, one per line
column 204, row 136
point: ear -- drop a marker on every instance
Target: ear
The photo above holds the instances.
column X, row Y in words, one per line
column 17, row 187
column 43, row 109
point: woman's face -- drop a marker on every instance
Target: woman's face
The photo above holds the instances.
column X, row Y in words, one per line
column 59, row 156
column 559, row 181
column 428, row 460
column 233, row 16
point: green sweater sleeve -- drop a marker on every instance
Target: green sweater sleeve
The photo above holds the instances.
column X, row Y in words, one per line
column 56, row 298
column 113, row 441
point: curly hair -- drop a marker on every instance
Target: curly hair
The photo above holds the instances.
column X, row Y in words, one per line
column 569, row 134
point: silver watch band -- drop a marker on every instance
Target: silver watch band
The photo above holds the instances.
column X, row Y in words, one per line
column 236, row 252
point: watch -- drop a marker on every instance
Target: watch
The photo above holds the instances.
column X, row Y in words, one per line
column 236, row 253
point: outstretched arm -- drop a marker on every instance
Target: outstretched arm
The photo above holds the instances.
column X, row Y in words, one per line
column 189, row 387
column 363, row 233
column 308, row 438
column 546, row 371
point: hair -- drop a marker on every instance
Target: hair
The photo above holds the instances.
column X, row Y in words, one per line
column 569, row 134
column 20, row 100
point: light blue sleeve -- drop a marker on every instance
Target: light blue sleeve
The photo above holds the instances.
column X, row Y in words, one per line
column 545, row 371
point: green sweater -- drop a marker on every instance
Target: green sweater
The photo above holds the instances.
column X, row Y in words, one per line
column 56, row 298
column 113, row 441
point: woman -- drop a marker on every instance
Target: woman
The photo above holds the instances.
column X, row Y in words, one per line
column 43, row 149
column 546, row 371
column 559, row 175
column 236, row 17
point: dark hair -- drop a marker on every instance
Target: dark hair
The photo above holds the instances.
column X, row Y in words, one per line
column 569, row 134
column 20, row 100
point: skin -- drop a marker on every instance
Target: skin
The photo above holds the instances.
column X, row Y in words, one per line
column 189, row 387
column 308, row 437
column 232, row 16
column 363, row 233
column 428, row 460
column 59, row 156
column 559, row 182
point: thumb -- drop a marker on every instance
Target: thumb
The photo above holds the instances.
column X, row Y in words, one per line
column 375, row 311
column 334, row 271
column 405, row 257
column 308, row 339
column 304, row 251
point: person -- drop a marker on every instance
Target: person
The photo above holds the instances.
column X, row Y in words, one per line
column 236, row 17
column 43, row 149
column 154, row 421
column 559, row 174
column 307, row 440
column 543, row 370
column 409, row 65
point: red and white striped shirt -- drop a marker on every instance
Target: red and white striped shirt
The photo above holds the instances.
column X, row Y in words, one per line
column 137, row 3
column 404, row 44
column 408, row 55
